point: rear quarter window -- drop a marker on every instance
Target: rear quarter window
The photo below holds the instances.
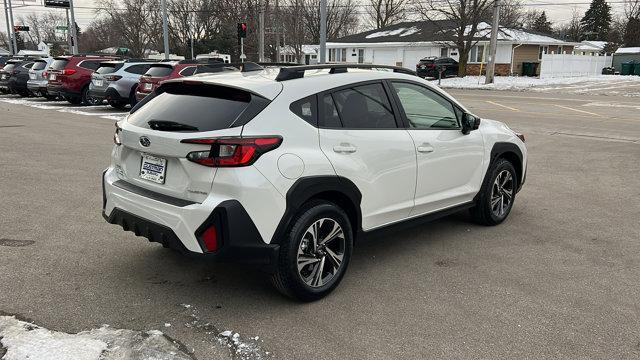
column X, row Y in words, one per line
column 306, row 109
column 58, row 64
column 159, row 71
column 107, row 69
column 39, row 65
column 179, row 107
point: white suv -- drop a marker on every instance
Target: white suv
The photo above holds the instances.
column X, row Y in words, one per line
column 287, row 168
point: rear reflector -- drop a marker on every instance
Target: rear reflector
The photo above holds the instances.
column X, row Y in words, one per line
column 210, row 238
column 233, row 151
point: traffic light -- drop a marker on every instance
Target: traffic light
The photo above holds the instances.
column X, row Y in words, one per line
column 242, row 30
column 20, row 28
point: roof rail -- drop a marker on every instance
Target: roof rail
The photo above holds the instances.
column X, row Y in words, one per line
column 297, row 72
column 242, row 66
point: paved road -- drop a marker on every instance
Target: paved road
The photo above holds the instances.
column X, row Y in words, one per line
column 559, row 279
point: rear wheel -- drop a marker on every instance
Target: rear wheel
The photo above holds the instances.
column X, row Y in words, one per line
column 117, row 104
column 497, row 194
column 315, row 253
column 75, row 100
column 86, row 99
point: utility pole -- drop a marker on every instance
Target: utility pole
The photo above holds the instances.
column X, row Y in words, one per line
column 491, row 67
column 6, row 15
column 12, row 34
column 323, row 31
column 261, row 32
column 68, row 32
column 277, row 31
column 74, row 32
column 192, row 34
column 165, row 28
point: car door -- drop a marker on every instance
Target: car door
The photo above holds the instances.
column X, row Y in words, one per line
column 449, row 162
column 361, row 136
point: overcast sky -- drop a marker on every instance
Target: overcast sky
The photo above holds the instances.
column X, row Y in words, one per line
column 560, row 11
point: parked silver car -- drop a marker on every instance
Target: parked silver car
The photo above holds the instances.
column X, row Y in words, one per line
column 37, row 83
column 116, row 81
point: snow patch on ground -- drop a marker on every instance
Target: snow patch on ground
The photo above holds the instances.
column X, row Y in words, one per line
column 23, row 340
column 530, row 83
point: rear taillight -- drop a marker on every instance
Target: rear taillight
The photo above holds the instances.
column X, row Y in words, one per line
column 232, row 152
column 45, row 74
column 68, row 71
column 112, row 77
column 116, row 135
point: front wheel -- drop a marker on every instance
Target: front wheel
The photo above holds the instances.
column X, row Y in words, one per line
column 498, row 192
column 315, row 253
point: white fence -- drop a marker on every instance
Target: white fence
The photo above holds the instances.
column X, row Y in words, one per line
column 569, row 65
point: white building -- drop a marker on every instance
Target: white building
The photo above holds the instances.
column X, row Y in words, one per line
column 406, row 43
column 592, row 48
column 309, row 54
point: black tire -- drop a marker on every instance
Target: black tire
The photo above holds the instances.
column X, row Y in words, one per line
column 74, row 100
column 483, row 212
column 50, row 97
column 132, row 97
column 86, row 99
column 287, row 278
column 117, row 104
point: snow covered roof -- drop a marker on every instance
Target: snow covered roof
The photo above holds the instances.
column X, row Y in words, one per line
column 591, row 46
column 306, row 49
column 444, row 31
column 628, row 50
column 4, row 51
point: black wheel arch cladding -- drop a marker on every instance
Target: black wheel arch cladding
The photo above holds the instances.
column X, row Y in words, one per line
column 513, row 154
column 336, row 189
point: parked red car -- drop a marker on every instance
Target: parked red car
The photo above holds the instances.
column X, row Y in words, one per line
column 69, row 77
column 163, row 71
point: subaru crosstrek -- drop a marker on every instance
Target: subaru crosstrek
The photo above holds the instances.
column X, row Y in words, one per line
column 288, row 168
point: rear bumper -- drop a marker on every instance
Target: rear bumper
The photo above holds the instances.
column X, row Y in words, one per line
column 37, row 86
column 178, row 225
column 61, row 90
column 141, row 95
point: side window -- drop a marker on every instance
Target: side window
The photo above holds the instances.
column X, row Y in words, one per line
column 137, row 69
column 330, row 116
column 306, row 109
column 188, row 71
column 424, row 108
column 89, row 64
column 365, row 107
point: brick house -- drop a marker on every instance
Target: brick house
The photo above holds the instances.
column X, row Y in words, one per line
column 404, row 44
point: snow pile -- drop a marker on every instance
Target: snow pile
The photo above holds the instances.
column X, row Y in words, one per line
column 243, row 349
column 23, row 340
column 527, row 83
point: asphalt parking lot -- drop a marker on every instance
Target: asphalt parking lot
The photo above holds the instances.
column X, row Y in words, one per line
column 559, row 279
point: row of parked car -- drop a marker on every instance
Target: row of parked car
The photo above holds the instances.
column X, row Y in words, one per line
column 92, row 79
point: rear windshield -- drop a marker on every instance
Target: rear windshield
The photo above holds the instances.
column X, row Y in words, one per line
column 108, row 68
column 39, row 65
column 9, row 67
column 194, row 108
column 159, row 71
column 59, row 64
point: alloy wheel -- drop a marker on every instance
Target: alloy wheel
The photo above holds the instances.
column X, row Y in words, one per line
column 321, row 252
column 502, row 193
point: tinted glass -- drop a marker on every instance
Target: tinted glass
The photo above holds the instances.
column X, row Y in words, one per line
column 39, row 65
column 138, row 69
column 27, row 65
column 159, row 70
column 424, row 108
column 90, row 64
column 108, row 68
column 330, row 117
column 192, row 108
column 58, row 64
column 365, row 107
column 188, row 71
column 305, row 109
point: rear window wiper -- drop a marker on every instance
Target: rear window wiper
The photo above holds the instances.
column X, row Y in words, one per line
column 165, row 125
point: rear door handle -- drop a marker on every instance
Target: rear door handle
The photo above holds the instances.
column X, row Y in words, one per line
column 344, row 148
column 425, row 148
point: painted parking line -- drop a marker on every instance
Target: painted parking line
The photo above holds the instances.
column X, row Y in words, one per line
column 577, row 110
column 503, row 106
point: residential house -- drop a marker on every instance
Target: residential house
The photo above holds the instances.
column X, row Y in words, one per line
column 404, row 44
column 309, row 55
column 592, row 48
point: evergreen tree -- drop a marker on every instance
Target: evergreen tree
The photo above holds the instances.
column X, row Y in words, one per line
column 632, row 33
column 541, row 24
column 596, row 22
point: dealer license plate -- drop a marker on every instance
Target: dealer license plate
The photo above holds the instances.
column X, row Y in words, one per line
column 148, row 86
column 97, row 82
column 52, row 77
column 32, row 76
column 153, row 168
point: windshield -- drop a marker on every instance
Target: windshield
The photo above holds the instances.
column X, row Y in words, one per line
column 193, row 108
column 159, row 71
column 59, row 64
column 108, row 68
column 39, row 65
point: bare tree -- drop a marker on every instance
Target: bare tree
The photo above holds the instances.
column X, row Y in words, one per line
column 572, row 30
column 512, row 14
column 462, row 18
column 43, row 27
column 632, row 9
column 136, row 21
column 383, row 13
column 342, row 19
column 4, row 40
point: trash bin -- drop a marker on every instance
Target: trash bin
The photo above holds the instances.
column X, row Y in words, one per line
column 636, row 69
column 627, row 68
column 608, row 71
column 529, row 69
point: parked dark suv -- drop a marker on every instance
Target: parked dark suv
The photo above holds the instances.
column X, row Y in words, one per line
column 69, row 77
column 428, row 67
column 14, row 76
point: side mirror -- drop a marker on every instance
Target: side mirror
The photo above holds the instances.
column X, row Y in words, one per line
column 469, row 122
